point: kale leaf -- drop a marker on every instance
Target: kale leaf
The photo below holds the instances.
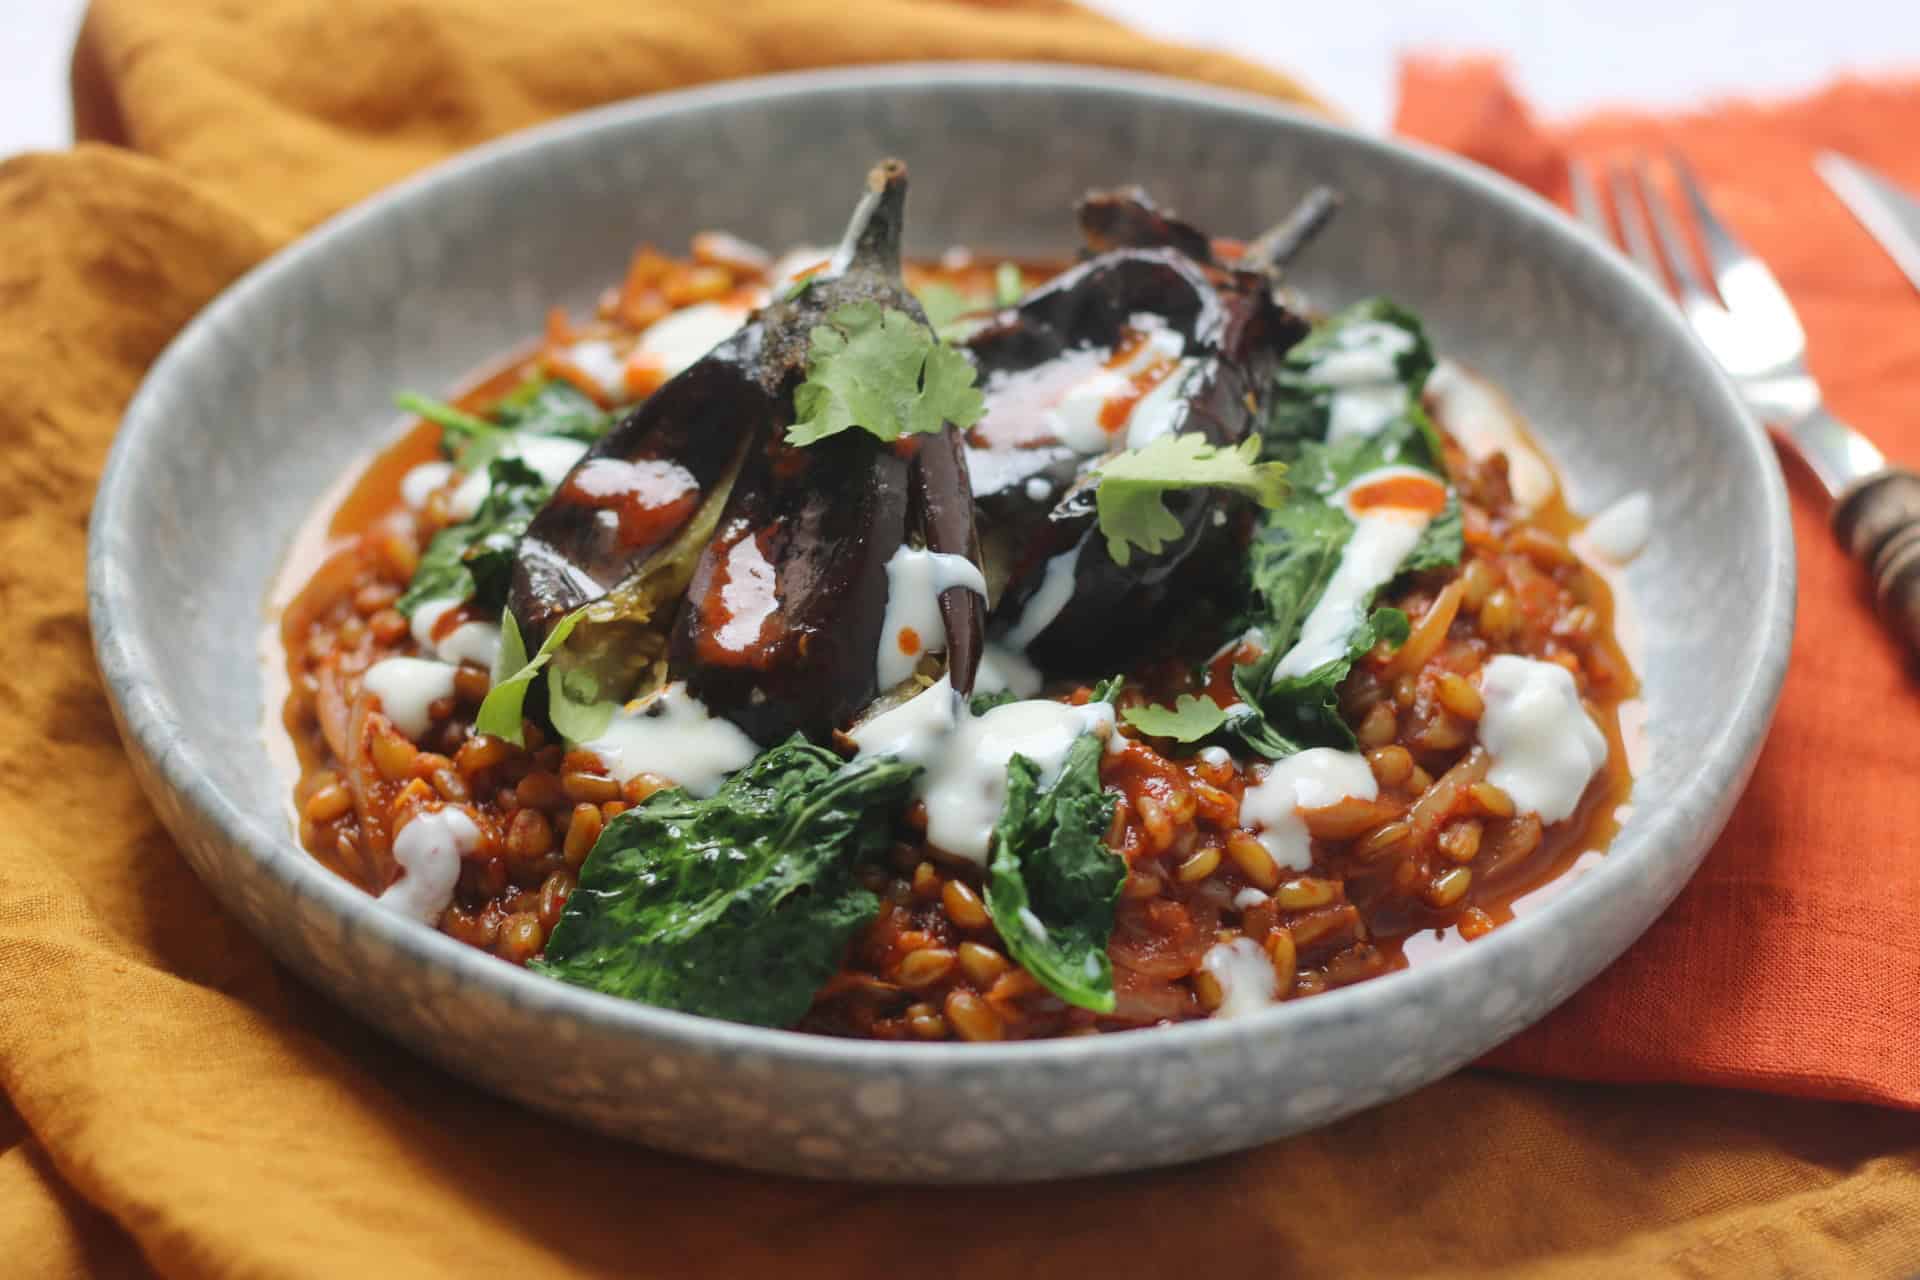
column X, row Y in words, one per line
column 1298, row 547
column 474, row 559
column 981, row 703
column 1301, row 407
column 1051, row 880
column 738, row 906
column 553, row 407
column 467, row 440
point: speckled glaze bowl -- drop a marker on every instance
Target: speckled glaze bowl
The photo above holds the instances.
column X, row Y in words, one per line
column 283, row 385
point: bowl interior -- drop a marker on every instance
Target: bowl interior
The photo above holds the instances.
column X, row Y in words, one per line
column 287, row 382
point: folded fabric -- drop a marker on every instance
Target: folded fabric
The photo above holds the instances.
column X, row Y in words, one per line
column 1792, row 960
column 177, row 1102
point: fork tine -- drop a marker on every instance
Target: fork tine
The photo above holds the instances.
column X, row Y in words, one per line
column 1747, row 286
column 1632, row 213
column 1679, row 254
column 1724, row 249
column 1586, row 200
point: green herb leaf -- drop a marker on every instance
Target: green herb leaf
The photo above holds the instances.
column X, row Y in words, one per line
column 502, row 710
column 553, row 407
column 1442, row 543
column 1301, row 406
column 1189, row 719
column 469, row 441
column 1051, row 880
column 981, row 703
column 944, row 304
column 1009, row 286
column 738, row 906
column 1131, row 499
column 580, row 711
column 1298, row 547
column 884, row 372
column 1304, row 711
column 474, row 559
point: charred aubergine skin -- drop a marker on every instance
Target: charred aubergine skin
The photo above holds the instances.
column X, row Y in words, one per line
column 785, row 584
column 1037, row 500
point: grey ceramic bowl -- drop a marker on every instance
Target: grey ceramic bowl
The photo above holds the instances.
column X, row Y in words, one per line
column 284, row 383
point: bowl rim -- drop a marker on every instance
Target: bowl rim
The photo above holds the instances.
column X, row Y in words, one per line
column 152, row 730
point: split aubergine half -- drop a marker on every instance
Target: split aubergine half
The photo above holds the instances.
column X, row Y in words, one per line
column 1154, row 334
column 706, row 548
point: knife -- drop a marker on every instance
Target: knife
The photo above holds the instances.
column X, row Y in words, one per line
column 1888, row 213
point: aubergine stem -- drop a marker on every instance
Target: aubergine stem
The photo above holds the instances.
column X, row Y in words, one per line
column 1274, row 248
column 941, row 507
column 874, row 232
column 1127, row 218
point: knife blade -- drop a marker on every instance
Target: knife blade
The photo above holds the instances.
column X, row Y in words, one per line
column 1889, row 214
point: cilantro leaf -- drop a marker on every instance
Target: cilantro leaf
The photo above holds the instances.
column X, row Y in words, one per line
column 502, row 710
column 943, row 303
column 884, row 372
column 1131, row 499
column 1190, row 719
column 1051, row 879
column 738, row 906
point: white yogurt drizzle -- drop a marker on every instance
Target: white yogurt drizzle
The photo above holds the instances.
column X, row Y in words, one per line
column 1360, row 370
column 550, row 457
column 787, row 269
column 964, row 756
column 597, row 358
column 421, row 482
column 1004, row 669
column 1075, row 419
column 675, row 342
column 1544, row 745
column 1245, row 974
column 1480, row 419
column 475, row 642
column 1382, row 537
column 428, row 849
column 912, row 625
column 672, row 735
column 1311, row 779
column 407, row 688
column 1619, row 533
column 1047, row 600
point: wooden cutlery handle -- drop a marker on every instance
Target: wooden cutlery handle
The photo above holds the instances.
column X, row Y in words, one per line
column 1878, row 520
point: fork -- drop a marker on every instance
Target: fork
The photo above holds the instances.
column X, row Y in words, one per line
column 1746, row 323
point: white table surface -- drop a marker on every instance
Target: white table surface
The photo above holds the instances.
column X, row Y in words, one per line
column 1566, row 54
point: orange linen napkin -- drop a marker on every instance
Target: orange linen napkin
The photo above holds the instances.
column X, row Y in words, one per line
column 177, row 1103
column 1792, row 961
